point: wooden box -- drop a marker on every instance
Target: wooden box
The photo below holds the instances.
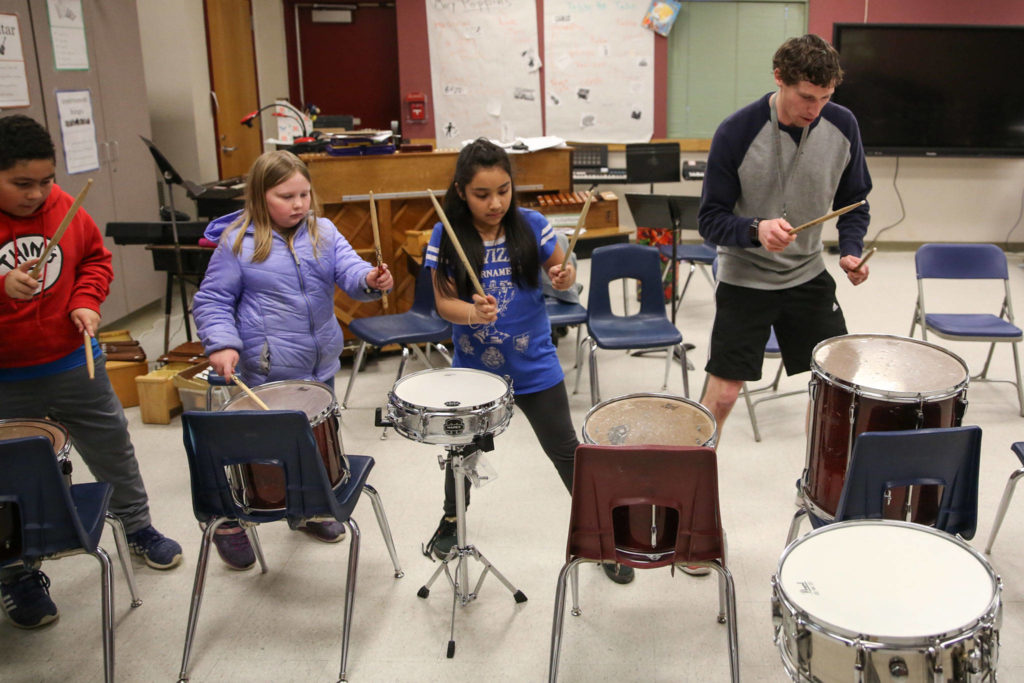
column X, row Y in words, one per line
column 158, row 397
column 122, row 376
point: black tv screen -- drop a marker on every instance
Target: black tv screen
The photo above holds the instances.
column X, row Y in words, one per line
column 934, row 90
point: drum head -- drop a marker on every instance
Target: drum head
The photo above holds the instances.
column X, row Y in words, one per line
column 311, row 398
column 890, row 365
column 649, row 419
column 448, row 389
column 887, row 580
column 20, row 429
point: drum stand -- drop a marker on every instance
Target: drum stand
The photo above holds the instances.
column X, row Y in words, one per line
column 462, row 550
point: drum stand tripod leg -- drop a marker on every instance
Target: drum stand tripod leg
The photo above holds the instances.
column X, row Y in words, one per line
column 461, row 550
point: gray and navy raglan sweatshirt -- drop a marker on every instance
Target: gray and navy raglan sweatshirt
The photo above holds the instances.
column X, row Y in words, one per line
column 742, row 183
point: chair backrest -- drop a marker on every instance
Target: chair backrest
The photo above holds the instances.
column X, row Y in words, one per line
column 943, row 456
column 960, row 262
column 617, row 261
column 218, row 440
column 32, row 480
column 614, row 488
column 423, row 295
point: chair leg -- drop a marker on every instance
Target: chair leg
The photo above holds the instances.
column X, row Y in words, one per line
column 107, row 608
column 794, row 526
column 355, row 369
column 350, row 593
column 595, row 389
column 669, row 352
column 579, row 363
column 579, row 344
column 686, row 369
column 745, row 391
column 725, row 576
column 197, row 593
column 385, row 528
column 441, row 349
column 257, row 547
column 559, row 619
column 1004, row 503
column 1020, row 390
column 121, row 541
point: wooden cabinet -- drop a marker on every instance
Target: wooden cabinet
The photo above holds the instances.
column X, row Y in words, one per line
column 399, row 183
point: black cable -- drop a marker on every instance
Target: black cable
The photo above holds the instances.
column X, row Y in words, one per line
column 903, row 210
column 1016, row 223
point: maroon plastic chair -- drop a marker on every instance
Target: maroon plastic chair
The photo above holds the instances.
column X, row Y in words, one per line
column 645, row 507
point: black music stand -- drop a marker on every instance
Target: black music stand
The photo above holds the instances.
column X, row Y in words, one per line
column 172, row 178
column 659, row 211
column 656, row 162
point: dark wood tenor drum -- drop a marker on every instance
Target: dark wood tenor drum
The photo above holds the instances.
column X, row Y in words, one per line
column 262, row 487
column 877, row 383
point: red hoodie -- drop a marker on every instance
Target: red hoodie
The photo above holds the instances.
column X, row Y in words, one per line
column 77, row 275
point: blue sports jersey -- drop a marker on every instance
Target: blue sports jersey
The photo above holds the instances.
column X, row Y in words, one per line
column 518, row 344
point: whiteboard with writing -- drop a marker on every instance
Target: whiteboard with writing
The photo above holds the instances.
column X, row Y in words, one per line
column 485, row 68
column 599, row 70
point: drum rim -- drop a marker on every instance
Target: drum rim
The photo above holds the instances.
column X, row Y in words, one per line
column 65, row 447
column 870, row 392
column 315, row 420
column 456, row 411
column 710, row 443
column 988, row 615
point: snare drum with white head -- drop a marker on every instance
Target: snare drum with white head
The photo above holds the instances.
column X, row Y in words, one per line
column 262, row 487
column 881, row 600
column 450, row 406
column 653, row 419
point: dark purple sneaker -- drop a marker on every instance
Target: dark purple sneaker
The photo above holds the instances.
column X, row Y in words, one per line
column 328, row 532
column 233, row 546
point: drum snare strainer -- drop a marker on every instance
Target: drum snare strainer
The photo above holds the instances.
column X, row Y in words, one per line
column 887, row 600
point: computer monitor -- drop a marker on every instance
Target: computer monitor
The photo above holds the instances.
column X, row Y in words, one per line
column 656, row 162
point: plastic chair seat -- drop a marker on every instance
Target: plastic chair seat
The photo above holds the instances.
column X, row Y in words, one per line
column 695, row 253
column 565, row 313
column 614, row 332
column 404, row 328
column 976, row 326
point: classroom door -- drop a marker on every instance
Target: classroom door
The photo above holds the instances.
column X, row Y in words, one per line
column 234, row 94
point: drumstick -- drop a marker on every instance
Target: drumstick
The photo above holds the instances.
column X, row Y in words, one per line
column 252, row 394
column 376, row 244
column 60, row 229
column 579, row 226
column 455, row 242
column 90, row 364
column 837, row 212
column 864, row 260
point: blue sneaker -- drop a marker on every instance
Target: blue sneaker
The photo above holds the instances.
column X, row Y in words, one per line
column 233, row 546
column 26, row 600
column 330, row 531
column 159, row 551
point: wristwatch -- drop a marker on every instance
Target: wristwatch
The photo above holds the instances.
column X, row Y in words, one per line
column 753, row 232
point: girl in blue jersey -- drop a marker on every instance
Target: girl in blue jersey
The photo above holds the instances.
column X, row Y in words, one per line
column 507, row 331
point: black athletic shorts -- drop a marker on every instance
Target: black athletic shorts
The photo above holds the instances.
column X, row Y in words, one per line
column 802, row 316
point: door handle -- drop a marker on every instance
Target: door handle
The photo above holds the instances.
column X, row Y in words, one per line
column 216, row 104
column 228, row 149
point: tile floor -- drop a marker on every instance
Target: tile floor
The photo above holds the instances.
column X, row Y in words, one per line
column 285, row 625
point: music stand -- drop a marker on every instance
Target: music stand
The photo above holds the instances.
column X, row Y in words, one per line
column 661, row 212
column 172, row 178
column 657, row 162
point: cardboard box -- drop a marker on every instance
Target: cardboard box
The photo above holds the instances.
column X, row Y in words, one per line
column 122, row 376
column 193, row 389
column 158, row 397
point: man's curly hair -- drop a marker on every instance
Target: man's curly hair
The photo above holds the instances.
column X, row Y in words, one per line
column 808, row 58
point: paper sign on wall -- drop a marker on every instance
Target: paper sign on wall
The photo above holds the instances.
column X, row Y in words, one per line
column 67, row 33
column 78, row 130
column 13, row 78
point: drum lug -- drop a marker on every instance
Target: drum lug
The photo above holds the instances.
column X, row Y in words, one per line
column 919, row 413
column 861, row 663
column 934, row 664
column 898, row 668
column 776, row 612
column 959, row 409
column 442, row 458
column 802, row 638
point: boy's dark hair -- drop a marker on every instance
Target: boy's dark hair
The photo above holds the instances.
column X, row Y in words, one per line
column 808, row 58
column 23, row 139
column 519, row 240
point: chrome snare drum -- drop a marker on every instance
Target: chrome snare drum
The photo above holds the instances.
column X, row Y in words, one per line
column 880, row 600
column 262, row 487
column 449, row 406
column 657, row 419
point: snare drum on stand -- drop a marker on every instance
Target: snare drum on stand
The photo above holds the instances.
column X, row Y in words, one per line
column 648, row 419
column 262, row 487
column 871, row 382
column 929, row 611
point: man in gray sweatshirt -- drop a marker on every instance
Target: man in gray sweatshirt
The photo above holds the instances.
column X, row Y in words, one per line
column 781, row 161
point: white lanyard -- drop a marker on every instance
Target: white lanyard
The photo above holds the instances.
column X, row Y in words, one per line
column 784, row 176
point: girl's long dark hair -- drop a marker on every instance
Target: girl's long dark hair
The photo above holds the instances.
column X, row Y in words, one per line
column 519, row 240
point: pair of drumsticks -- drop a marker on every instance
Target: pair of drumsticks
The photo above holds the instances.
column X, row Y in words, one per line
column 465, row 260
column 833, row 214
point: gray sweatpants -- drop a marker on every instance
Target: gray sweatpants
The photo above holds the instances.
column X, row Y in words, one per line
column 90, row 411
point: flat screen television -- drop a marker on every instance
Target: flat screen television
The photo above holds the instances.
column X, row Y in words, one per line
column 934, row 89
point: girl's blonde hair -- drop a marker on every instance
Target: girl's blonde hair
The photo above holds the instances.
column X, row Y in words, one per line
column 268, row 171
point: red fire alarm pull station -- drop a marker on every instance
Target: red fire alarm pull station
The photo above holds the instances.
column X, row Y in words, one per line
column 416, row 104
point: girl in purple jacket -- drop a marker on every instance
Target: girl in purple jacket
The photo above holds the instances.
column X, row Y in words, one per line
column 265, row 309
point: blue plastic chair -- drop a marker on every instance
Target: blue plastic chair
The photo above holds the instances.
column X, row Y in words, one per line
column 567, row 314
column 969, row 262
column 696, row 256
column 650, row 328
column 1004, row 502
column 949, row 457
column 419, row 325
column 215, row 442
column 54, row 520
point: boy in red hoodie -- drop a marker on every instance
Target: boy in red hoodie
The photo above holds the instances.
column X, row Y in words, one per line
column 42, row 357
